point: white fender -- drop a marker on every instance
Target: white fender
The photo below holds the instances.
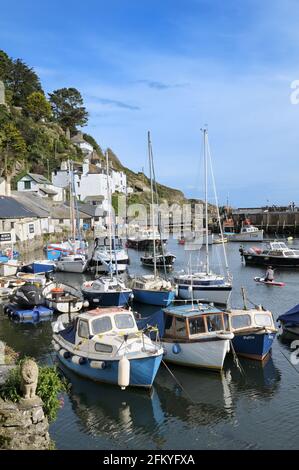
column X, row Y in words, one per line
column 123, row 372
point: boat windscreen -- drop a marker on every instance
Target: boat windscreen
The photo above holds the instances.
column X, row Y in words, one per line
column 124, row 321
column 262, row 319
column 101, row 325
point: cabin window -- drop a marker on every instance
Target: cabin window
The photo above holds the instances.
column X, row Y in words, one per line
column 262, row 320
column 197, row 326
column 104, row 348
column 27, row 184
column 214, row 322
column 240, row 321
column 101, row 325
column 123, row 321
column 83, row 330
column 180, row 327
column 169, row 322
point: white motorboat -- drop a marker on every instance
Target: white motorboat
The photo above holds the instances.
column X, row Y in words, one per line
column 248, row 233
column 72, row 263
column 105, row 345
column 105, row 259
column 192, row 335
column 9, row 268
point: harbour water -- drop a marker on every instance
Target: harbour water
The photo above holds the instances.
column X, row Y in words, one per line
column 257, row 410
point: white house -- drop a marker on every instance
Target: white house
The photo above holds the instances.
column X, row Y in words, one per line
column 40, row 185
column 91, row 181
column 81, row 143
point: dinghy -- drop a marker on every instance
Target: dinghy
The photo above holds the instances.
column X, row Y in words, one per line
column 63, row 298
column 261, row 280
column 105, row 345
column 290, row 321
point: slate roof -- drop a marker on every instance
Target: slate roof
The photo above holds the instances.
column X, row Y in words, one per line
column 39, row 178
column 33, row 202
column 63, row 212
column 10, row 208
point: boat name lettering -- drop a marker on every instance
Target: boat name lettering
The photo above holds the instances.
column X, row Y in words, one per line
column 248, row 337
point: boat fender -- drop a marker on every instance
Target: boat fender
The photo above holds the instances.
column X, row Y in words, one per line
column 189, row 288
column 97, row 364
column 64, row 353
column 85, row 303
column 176, row 348
column 123, row 372
column 78, row 360
column 131, row 296
column 56, row 346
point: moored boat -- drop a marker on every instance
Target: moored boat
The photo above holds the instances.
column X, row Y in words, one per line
column 38, row 267
column 193, row 335
column 289, row 321
column 276, row 254
column 203, row 287
column 63, row 298
column 153, row 290
column 254, row 332
column 248, row 233
column 105, row 345
column 72, row 263
column 107, row 291
column 164, row 260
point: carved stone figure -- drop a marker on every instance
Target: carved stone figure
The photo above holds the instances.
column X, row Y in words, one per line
column 29, row 376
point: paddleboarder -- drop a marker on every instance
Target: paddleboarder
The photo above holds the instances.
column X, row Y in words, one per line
column 269, row 277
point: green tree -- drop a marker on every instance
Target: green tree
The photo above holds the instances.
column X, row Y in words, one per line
column 21, row 80
column 37, row 107
column 6, row 65
column 12, row 150
column 68, row 109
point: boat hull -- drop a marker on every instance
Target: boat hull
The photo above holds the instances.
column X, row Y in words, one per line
column 107, row 299
column 149, row 262
column 142, row 371
column 246, row 237
column 38, row 267
column 206, row 354
column 218, row 294
column 260, row 260
column 71, row 266
column 253, row 345
column 152, row 297
column 65, row 307
column 7, row 269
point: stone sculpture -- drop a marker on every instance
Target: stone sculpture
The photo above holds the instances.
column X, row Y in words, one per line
column 29, row 376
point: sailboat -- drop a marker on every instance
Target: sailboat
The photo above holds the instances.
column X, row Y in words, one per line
column 108, row 291
column 74, row 261
column 153, row 289
column 205, row 285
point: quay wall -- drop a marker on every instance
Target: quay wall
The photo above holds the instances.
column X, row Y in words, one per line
column 272, row 222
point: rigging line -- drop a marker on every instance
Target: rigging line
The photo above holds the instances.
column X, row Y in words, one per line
column 159, row 214
column 179, row 383
column 217, row 208
column 289, row 362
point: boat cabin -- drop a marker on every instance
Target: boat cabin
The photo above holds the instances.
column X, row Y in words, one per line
column 252, row 319
column 249, row 229
column 191, row 322
column 280, row 249
column 104, row 320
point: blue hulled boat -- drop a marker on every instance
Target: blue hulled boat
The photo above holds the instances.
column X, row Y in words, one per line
column 254, row 332
column 39, row 266
column 112, row 349
column 290, row 320
column 107, row 292
column 153, row 290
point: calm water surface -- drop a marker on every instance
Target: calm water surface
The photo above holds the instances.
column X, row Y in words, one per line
column 215, row 411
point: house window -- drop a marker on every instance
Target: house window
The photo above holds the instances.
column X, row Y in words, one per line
column 60, row 221
column 27, row 184
column 12, row 225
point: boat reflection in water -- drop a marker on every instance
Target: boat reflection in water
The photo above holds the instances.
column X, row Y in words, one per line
column 138, row 419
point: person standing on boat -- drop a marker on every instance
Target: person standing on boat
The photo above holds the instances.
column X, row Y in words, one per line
column 269, row 277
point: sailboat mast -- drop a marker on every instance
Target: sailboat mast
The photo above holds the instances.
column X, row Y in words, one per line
column 109, row 211
column 152, row 199
column 72, row 214
column 206, row 200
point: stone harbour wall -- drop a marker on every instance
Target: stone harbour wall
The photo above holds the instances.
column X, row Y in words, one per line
column 23, row 425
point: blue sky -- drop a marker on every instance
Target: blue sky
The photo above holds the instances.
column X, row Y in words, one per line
column 171, row 66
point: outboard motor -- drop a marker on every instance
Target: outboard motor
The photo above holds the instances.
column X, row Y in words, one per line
column 28, row 295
